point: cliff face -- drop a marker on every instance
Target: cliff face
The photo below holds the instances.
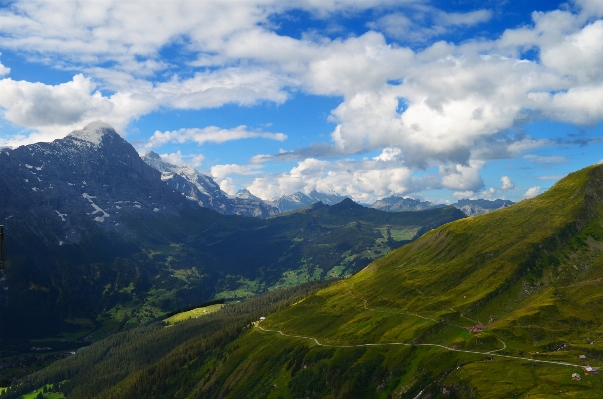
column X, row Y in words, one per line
column 92, row 177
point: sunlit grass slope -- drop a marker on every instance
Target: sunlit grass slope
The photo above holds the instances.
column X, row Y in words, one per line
column 531, row 276
column 531, row 273
column 193, row 314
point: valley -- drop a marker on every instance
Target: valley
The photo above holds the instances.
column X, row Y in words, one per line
column 84, row 263
column 263, row 199
column 500, row 305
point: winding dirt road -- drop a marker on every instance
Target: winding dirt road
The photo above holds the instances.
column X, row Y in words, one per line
column 436, row 345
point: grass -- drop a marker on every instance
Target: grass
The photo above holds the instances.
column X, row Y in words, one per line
column 49, row 395
column 532, row 273
column 193, row 314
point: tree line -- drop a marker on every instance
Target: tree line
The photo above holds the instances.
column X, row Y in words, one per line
column 150, row 361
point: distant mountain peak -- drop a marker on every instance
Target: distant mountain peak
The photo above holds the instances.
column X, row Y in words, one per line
column 347, row 204
column 154, row 160
column 93, row 132
column 152, row 155
column 246, row 194
column 300, row 200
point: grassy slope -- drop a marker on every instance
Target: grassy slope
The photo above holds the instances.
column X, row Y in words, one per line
column 193, row 314
column 533, row 273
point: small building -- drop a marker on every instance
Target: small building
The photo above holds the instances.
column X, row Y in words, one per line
column 576, row 377
column 590, row 371
column 262, row 319
column 582, row 357
column 477, row 329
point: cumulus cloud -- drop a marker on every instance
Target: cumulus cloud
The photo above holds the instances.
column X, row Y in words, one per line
column 55, row 110
column 447, row 104
column 218, row 172
column 507, row 184
column 176, row 158
column 487, row 194
column 365, row 180
column 590, row 8
column 4, row 70
column 532, row 192
column 463, row 194
column 228, row 186
column 459, row 177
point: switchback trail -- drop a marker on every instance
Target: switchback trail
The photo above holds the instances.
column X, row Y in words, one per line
column 365, row 303
column 435, row 345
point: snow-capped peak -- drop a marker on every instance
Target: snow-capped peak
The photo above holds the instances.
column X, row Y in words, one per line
column 154, row 160
column 93, row 132
column 245, row 194
column 152, row 155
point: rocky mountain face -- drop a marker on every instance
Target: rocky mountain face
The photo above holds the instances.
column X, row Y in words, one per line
column 299, row 200
column 399, row 204
column 469, row 207
column 245, row 203
column 203, row 190
column 193, row 185
column 481, row 206
column 89, row 179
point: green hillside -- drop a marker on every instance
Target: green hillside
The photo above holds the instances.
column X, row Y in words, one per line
column 530, row 275
column 63, row 297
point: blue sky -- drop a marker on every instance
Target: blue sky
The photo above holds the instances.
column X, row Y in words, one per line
column 438, row 100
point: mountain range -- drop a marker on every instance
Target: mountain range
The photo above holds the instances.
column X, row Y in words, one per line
column 500, row 305
column 206, row 192
column 203, row 190
column 470, row 207
column 98, row 241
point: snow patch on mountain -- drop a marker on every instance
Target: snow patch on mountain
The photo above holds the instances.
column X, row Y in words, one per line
column 299, row 200
column 97, row 209
column 202, row 189
column 93, row 132
column 61, row 215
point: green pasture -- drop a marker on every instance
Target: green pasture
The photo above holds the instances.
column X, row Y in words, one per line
column 193, row 314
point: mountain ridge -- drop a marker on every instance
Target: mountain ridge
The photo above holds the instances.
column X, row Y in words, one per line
column 494, row 306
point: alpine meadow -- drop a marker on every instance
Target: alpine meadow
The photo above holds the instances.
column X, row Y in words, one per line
column 306, row 199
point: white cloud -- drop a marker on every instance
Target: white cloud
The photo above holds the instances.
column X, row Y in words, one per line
column 600, row 162
column 578, row 54
column 176, row 158
column 507, row 184
column 458, row 177
column 219, row 172
column 463, row 194
column 448, row 108
column 591, row 8
column 243, row 86
column 546, row 159
column 388, row 154
column 419, row 23
column 55, row 110
column 228, row 186
column 532, row 192
column 4, row 70
column 212, row 134
column 365, row 180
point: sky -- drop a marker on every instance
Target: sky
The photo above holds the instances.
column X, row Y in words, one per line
column 435, row 100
